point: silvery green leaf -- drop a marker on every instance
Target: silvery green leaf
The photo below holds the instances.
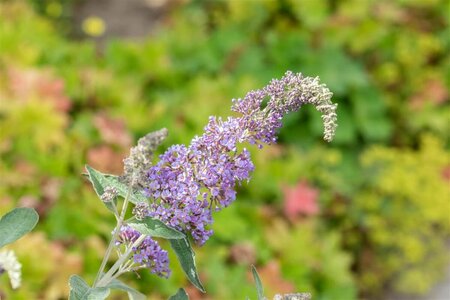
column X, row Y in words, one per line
column 132, row 293
column 16, row 224
column 154, row 227
column 80, row 290
column 135, row 197
column 99, row 293
column 186, row 257
column 101, row 181
column 259, row 287
column 180, row 295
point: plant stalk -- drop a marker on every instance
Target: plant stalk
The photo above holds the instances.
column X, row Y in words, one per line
column 109, row 275
column 114, row 237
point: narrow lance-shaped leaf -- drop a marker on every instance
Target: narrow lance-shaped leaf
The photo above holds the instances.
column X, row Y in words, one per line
column 186, row 256
column 180, row 295
column 154, row 227
column 259, row 287
column 16, row 224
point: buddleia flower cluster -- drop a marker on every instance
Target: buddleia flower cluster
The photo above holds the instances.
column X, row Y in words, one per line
column 176, row 197
column 148, row 254
column 189, row 182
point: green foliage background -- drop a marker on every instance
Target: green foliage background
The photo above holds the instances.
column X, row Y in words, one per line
column 383, row 183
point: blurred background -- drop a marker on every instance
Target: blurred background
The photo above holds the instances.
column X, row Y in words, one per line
column 365, row 217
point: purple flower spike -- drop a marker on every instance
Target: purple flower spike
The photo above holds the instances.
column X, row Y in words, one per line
column 189, row 182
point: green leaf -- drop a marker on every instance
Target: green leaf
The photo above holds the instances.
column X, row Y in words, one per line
column 80, row 290
column 99, row 293
column 132, row 293
column 186, row 256
column 259, row 287
column 135, row 197
column 153, row 227
column 16, row 224
column 100, row 181
column 180, row 295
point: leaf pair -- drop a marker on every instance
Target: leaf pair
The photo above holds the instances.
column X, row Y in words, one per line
column 80, row 290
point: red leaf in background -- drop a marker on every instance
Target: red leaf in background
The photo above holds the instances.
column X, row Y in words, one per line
column 434, row 91
column 446, row 173
column 300, row 200
column 25, row 84
column 50, row 194
column 105, row 159
column 113, row 131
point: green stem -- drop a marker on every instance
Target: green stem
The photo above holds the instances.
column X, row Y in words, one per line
column 116, row 212
column 106, row 257
column 110, row 274
column 115, row 235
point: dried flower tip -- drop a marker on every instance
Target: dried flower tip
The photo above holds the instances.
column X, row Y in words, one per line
column 109, row 194
column 298, row 296
column 141, row 210
column 152, row 140
column 286, row 95
column 140, row 158
column 10, row 264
